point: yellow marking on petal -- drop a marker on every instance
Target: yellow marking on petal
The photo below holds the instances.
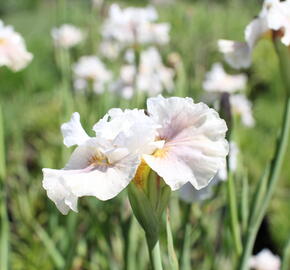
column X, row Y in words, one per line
column 161, row 153
column 141, row 174
column 99, row 160
column 2, row 41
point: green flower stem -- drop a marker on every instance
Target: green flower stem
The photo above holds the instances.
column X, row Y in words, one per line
column 286, row 256
column 226, row 113
column 4, row 222
column 235, row 227
column 275, row 169
column 154, row 254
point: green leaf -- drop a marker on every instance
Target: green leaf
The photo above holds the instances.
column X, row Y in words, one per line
column 50, row 247
column 172, row 256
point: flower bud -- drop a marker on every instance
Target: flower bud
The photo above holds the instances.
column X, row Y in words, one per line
column 149, row 196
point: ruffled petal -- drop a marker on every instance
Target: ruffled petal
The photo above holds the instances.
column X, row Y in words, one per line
column 195, row 146
column 85, row 175
column 73, row 132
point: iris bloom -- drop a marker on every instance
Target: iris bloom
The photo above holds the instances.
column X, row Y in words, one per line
column 274, row 17
column 67, row 36
column 129, row 26
column 194, row 141
column 180, row 140
column 265, row 260
column 13, row 53
column 90, row 69
column 100, row 166
column 217, row 80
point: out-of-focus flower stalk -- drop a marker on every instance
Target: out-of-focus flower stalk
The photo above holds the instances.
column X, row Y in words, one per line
column 269, row 181
column 4, row 222
column 226, row 114
column 286, row 256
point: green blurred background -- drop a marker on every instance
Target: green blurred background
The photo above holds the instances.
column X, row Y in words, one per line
column 94, row 239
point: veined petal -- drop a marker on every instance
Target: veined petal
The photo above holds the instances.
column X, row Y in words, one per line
column 73, row 132
column 90, row 172
column 195, row 146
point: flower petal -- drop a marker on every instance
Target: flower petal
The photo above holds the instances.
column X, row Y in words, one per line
column 73, row 132
column 81, row 177
column 194, row 148
column 237, row 54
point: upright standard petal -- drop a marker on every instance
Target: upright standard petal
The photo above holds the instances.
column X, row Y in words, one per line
column 73, row 132
column 195, row 146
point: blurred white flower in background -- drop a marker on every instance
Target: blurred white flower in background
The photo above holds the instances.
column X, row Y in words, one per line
column 97, row 3
column 91, row 70
column 67, row 36
column 237, row 54
column 13, row 52
column 162, row 2
column 151, row 77
column 178, row 139
column 109, row 49
column 242, row 107
column 234, row 151
column 124, row 86
column 132, row 25
column 190, row 194
column 265, row 260
column 278, row 19
column 217, row 80
column 274, row 16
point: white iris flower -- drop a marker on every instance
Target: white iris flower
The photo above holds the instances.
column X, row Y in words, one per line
column 13, row 52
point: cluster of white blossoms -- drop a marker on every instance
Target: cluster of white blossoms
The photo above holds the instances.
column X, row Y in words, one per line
column 180, row 140
column 67, row 36
column 150, row 77
column 274, row 16
column 130, row 26
column 90, row 71
column 265, row 260
column 217, row 81
column 13, row 52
